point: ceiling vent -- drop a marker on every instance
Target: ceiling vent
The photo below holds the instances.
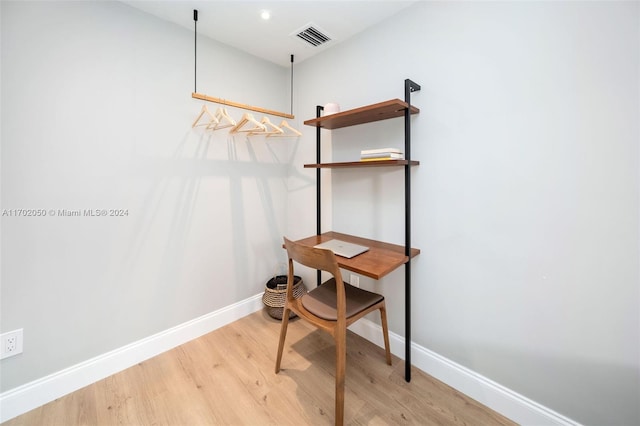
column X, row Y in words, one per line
column 312, row 34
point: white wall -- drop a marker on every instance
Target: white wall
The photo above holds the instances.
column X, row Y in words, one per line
column 96, row 114
column 525, row 203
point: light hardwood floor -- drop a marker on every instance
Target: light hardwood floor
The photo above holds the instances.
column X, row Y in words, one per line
column 227, row 378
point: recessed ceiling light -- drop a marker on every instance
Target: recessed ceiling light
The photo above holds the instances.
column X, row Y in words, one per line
column 265, row 14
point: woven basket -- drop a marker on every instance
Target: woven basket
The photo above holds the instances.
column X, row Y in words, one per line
column 275, row 293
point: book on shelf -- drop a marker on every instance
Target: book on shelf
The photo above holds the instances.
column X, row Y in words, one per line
column 380, row 151
column 383, row 156
column 380, row 159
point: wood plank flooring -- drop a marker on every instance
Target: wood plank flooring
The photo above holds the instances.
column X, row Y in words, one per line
column 227, row 378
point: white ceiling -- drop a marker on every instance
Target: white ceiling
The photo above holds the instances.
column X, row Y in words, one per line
column 238, row 22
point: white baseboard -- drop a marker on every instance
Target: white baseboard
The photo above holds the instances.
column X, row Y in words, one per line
column 495, row 396
column 39, row 392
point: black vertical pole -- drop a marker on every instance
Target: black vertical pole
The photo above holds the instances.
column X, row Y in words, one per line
column 195, row 51
column 407, row 230
column 409, row 86
column 291, row 85
column 319, row 110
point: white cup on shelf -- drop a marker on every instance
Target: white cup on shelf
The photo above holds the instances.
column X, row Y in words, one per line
column 331, row 108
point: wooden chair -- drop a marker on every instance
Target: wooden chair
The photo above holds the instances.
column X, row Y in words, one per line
column 332, row 307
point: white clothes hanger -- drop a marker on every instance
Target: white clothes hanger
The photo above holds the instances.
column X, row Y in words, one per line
column 248, row 119
column 204, row 111
column 289, row 134
column 224, row 120
column 268, row 125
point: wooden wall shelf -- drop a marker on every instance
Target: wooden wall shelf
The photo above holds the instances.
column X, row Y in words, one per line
column 354, row 164
column 366, row 114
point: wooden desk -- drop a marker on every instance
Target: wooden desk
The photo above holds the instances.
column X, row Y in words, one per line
column 381, row 259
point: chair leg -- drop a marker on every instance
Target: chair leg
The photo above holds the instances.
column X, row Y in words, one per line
column 385, row 332
column 283, row 335
column 341, row 363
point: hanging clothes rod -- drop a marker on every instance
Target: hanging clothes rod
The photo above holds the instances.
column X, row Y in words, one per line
column 239, row 105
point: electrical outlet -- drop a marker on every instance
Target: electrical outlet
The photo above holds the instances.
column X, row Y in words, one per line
column 10, row 344
column 354, row 280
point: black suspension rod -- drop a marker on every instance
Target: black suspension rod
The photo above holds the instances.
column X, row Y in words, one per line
column 195, row 51
column 291, row 85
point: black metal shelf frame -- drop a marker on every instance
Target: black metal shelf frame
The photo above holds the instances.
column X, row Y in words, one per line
column 409, row 87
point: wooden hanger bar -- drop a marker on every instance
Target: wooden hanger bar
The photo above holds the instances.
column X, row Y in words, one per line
column 239, row 105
